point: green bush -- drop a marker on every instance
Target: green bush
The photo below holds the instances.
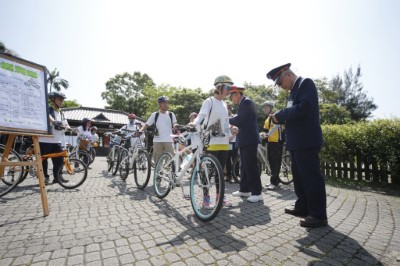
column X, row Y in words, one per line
column 376, row 141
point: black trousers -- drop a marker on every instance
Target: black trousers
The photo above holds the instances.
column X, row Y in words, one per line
column 309, row 184
column 275, row 160
column 250, row 180
column 47, row 148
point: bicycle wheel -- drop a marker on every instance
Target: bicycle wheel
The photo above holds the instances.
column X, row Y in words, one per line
column 142, row 169
column 72, row 174
column 92, row 153
column 163, row 174
column 207, row 188
column 110, row 162
column 117, row 159
column 124, row 165
column 236, row 168
column 12, row 175
column 286, row 176
column 81, row 155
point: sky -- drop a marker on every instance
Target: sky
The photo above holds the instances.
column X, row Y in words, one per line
column 189, row 43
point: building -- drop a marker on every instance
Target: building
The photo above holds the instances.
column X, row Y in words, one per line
column 106, row 120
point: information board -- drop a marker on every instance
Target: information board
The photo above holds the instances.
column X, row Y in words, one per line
column 23, row 96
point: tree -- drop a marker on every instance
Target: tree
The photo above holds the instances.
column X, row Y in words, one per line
column 334, row 114
column 350, row 95
column 126, row 92
column 5, row 49
column 185, row 101
column 71, row 103
column 54, row 81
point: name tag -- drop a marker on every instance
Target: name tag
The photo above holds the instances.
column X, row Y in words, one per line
column 290, row 104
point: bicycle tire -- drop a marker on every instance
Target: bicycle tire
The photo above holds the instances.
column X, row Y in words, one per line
column 236, row 168
column 203, row 191
column 12, row 175
column 82, row 155
column 286, row 176
column 92, row 153
column 142, row 169
column 110, row 162
column 163, row 174
column 117, row 160
column 124, row 165
column 72, row 174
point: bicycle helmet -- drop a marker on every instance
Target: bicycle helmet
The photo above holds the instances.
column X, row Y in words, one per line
column 85, row 120
column 162, row 99
column 93, row 128
column 55, row 94
column 131, row 116
column 267, row 103
column 223, row 79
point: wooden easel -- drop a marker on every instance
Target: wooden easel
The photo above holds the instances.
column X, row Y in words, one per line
column 37, row 163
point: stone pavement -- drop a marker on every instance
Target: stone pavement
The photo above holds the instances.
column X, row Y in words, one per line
column 109, row 222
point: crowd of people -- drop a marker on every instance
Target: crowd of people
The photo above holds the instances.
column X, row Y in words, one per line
column 231, row 133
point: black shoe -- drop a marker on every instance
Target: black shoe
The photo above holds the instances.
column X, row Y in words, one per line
column 46, row 181
column 55, row 181
column 295, row 212
column 310, row 221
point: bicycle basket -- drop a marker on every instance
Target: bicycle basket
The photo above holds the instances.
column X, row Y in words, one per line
column 83, row 142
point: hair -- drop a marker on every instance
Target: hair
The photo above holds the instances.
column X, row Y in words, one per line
column 219, row 89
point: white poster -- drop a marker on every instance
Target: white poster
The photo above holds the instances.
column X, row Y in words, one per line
column 23, row 102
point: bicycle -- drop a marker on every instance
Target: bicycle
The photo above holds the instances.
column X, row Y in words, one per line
column 206, row 177
column 136, row 158
column 113, row 157
column 285, row 176
column 71, row 176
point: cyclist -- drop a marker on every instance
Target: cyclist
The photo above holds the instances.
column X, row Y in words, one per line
column 164, row 122
column 213, row 116
column 274, row 136
column 52, row 144
column 95, row 137
column 131, row 125
column 84, row 135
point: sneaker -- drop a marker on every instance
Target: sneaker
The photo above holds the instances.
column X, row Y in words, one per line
column 207, row 202
column 225, row 201
column 255, row 198
column 271, row 187
column 241, row 194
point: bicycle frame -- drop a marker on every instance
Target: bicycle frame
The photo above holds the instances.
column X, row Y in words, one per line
column 178, row 173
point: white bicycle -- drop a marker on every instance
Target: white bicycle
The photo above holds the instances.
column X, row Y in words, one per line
column 206, row 176
column 136, row 160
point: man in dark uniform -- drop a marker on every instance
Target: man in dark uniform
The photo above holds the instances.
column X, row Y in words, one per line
column 304, row 141
column 247, row 141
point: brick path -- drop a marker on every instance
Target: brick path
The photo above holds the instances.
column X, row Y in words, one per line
column 109, row 222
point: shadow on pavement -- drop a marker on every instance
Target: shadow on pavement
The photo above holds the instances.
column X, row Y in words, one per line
column 329, row 246
column 215, row 231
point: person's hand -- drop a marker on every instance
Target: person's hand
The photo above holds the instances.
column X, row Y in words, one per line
column 263, row 135
column 274, row 119
column 234, row 130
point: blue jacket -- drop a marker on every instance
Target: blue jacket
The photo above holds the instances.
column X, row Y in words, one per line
column 246, row 121
column 302, row 124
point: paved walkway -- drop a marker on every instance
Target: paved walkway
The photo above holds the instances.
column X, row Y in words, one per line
column 109, row 222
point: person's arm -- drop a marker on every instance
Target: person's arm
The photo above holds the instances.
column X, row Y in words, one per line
column 204, row 112
column 307, row 100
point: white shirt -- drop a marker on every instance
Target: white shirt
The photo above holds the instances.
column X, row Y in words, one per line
column 58, row 135
column 163, row 125
column 217, row 120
